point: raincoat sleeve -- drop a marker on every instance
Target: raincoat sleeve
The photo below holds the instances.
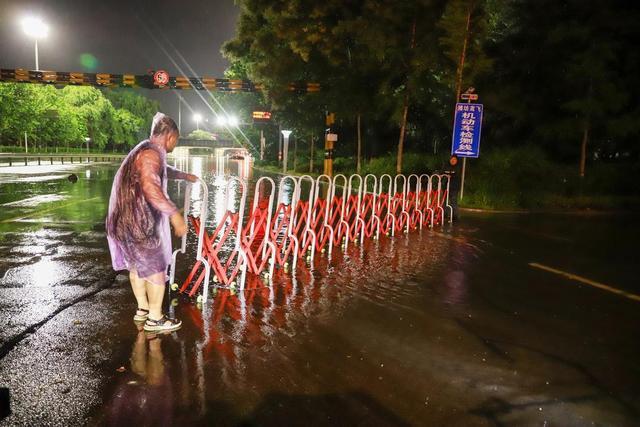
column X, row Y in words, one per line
column 173, row 173
column 149, row 167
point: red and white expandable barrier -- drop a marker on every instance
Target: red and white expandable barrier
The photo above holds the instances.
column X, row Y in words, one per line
column 279, row 230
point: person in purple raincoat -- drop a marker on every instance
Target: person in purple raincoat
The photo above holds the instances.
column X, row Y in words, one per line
column 138, row 221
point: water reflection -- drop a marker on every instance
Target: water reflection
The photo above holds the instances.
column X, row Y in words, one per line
column 240, row 347
column 144, row 395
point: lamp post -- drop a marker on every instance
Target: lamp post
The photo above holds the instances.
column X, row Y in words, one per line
column 197, row 117
column 285, row 134
column 36, row 29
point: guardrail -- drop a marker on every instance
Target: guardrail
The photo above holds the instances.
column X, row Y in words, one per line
column 9, row 159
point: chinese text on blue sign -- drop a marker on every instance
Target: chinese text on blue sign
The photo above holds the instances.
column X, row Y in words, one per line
column 466, row 130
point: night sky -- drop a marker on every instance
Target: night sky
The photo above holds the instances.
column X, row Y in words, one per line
column 124, row 37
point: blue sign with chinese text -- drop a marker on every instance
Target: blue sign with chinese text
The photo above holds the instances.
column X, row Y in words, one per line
column 466, row 130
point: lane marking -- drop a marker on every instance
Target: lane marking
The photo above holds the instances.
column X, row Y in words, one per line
column 586, row 281
column 17, row 218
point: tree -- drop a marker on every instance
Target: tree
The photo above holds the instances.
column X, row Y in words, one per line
column 66, row 117
column 564, row 77
column 139, row 106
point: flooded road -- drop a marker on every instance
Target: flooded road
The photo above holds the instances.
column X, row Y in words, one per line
column 455, row 326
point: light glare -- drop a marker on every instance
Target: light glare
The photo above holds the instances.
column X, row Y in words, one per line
column 35, row 27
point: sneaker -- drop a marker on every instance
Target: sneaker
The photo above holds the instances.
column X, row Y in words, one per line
column 162, row 324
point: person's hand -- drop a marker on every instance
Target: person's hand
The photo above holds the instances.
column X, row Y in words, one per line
column 191, row 177
column 179, row 226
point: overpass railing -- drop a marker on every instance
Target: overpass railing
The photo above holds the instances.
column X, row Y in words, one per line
column 25, row 159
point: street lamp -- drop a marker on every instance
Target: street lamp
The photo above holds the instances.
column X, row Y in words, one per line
column 197, row 117
column 286, row 134
column 36, row 29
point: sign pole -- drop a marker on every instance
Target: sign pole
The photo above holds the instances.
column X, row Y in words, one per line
column 464, row 168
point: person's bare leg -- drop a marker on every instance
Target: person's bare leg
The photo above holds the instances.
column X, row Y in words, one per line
column 155, row 295
column 140, row 291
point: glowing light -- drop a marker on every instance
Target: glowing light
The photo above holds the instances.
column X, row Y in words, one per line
column 35, row 27
column 221, row 120
column 233, row 121
column 88, row 61
column 197, row 117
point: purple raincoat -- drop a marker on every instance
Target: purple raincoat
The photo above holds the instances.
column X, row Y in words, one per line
column 139, row 210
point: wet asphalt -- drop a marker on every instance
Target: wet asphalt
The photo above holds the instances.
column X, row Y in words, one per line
column 450, row 326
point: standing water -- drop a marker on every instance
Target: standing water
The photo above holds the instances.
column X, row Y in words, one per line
column 449, row 326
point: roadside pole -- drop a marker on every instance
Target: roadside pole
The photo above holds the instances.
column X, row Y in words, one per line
column 262, row 144
column 279, row 144
column 464, row 169
column 330, row 139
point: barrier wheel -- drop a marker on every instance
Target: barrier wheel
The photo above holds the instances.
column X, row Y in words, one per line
column 174, row 287
column 199, row 299
column 174, row 302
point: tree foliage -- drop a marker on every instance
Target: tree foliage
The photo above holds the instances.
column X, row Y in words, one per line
column 65, row 117
column 550, row 73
